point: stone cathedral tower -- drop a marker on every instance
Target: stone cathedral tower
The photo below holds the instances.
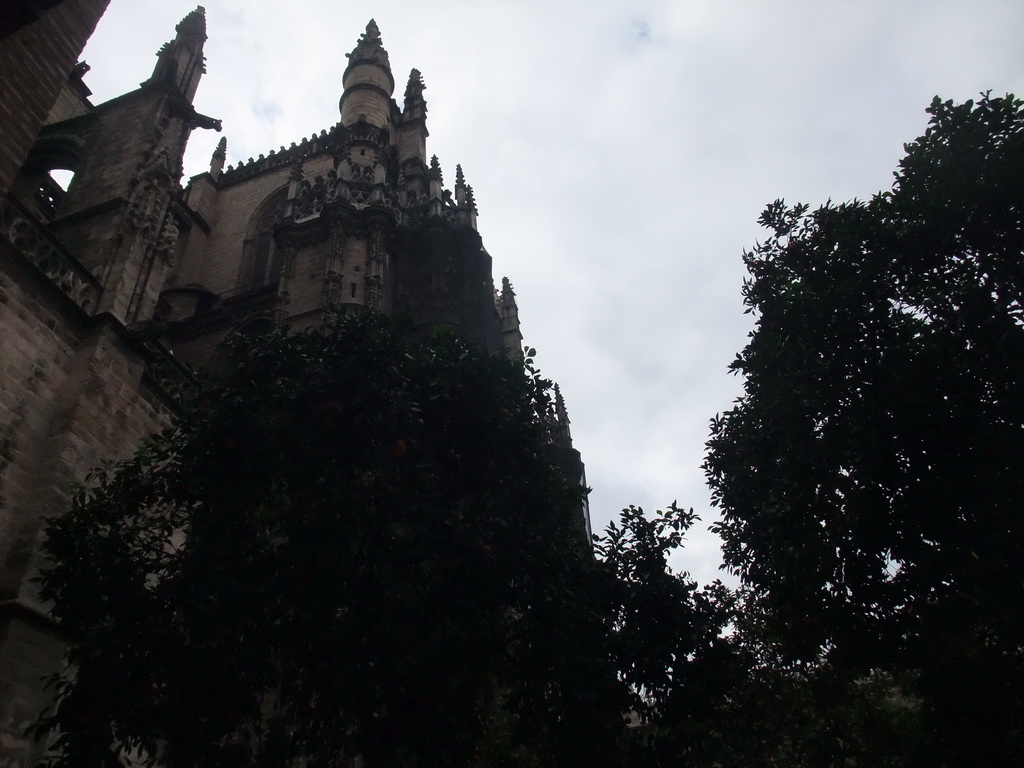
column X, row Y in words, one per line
column 112, row 289
column 353, row 217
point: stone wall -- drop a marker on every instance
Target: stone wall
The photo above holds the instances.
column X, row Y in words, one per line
column 72, row 393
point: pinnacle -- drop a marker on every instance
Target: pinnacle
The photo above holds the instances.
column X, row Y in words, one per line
column 369, row 45
column 194, row 23
column 222, row 147
column 560, row 411
column 414, row 89
column 415, row 81
column 371, row 36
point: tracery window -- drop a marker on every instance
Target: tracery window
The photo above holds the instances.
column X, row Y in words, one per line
column 264, row 258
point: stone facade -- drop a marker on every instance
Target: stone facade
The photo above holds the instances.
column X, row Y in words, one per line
column 112, row 291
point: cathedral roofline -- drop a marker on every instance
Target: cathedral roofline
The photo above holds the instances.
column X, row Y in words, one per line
column 280, row 158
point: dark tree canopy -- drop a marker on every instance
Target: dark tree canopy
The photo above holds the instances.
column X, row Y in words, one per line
column 871, row 476
column 365, row 543
column 359, row 543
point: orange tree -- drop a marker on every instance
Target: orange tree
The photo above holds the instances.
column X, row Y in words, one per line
column 359, row 543
column 870, row 478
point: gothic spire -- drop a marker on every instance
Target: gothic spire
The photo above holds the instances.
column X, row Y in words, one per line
column 180, row 62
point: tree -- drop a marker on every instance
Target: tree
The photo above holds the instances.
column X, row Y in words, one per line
column 870, row 478
column 359, row 543
column 665, row 637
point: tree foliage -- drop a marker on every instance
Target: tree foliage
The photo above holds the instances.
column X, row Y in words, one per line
column 364, row 543
column 360, row 543
column 870, row 478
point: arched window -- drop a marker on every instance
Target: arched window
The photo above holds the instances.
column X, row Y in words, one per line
column 264, row 258
column 51, row 191
column 46, row 177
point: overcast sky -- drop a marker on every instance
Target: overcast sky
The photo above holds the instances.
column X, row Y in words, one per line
column 620, row 153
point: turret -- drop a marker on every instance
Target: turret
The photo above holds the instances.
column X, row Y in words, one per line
column 367, row 81
column 180, row 63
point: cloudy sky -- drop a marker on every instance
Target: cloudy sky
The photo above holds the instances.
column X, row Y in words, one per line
column 620, row 153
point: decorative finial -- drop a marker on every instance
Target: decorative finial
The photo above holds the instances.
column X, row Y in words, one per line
column 459, row 178
column 369, row 46
column 470, row 200
column 506, row 288
column 222, row 148
column 296, row 174
column 435, row 169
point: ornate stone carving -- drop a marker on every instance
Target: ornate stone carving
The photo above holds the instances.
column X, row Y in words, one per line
column 312, row 197
column 362, row 131
column 334, row 262
column 377, row 264
column 169, row 377
column 46, row 253
column 360, row 197
column 146, row 210
column 363, row 173
column 167, row 239
column 310, row 200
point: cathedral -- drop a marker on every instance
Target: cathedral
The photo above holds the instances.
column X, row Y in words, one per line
column 115, row 287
